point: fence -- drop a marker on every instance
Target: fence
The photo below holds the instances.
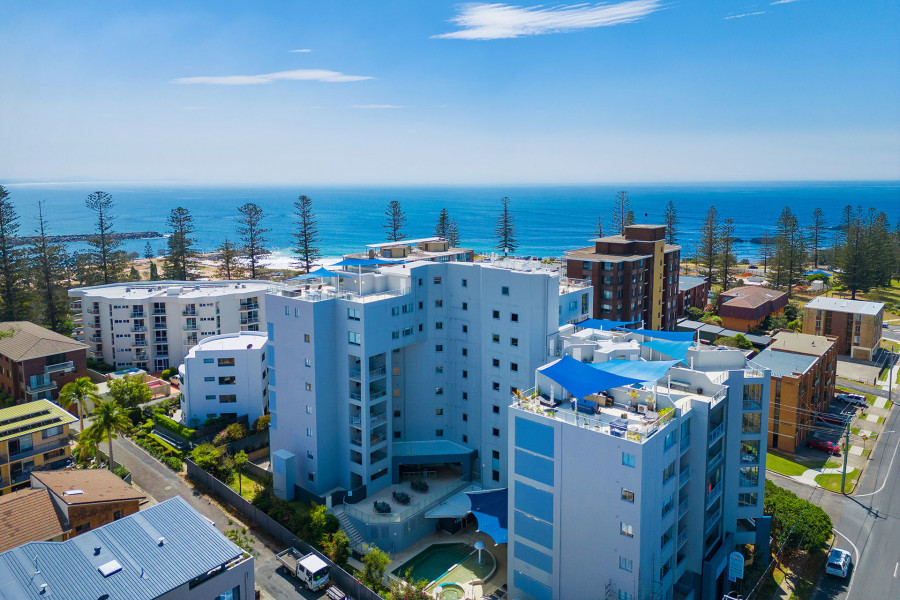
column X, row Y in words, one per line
column 344, row 580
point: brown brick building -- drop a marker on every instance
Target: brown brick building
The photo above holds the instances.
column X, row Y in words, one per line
column 743, row 308
column 856, row 324
column 88, row 498
column 803, row 374
column 35, row 362
column 692, row 292
column 635, row 276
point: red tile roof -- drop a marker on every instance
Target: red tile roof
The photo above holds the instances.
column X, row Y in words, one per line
column 28, row 516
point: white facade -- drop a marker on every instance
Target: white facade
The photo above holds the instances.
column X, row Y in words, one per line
column 225, row 375
column 596, row 512
column 151, row 325
column 427, row 351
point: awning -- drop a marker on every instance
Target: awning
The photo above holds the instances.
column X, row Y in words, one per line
column 676, row 350
column 455, row 507
column 603, row 324
column 644, row 371
column 490, row 509
column 672, row 336
column 582, row 380
column 319, row 273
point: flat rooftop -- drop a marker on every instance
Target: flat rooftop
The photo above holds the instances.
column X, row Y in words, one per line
column 87, row 486
column 784, row 363
column 801, row 343
column 857, row 307
column 244, row 340
column 688, row 282
column 169, row 289
column 590, row 254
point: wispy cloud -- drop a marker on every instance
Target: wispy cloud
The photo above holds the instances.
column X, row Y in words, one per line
column 781, row 2
column 742, row 15
column 303, row 50
column 480, row 21
column 377, row 106
column 298, row 75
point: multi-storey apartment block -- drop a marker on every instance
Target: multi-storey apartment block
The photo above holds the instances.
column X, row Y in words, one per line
column 856, row 324
column 33, row 436
column 36, row 363
column 635, row 276
column 646, row 489
column 152, row 325
column 433, row 249
column 382, row 373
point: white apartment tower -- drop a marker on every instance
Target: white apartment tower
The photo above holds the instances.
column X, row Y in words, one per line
column 152, row 325
column 635, row 504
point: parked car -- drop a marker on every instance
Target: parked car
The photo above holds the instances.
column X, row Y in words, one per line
column 830, row 419
column 838, row 563
column 854, row 399
column 824, row 446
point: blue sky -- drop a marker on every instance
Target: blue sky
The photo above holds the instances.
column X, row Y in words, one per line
column 416, row 91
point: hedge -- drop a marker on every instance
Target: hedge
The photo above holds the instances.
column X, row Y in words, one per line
column 173, row 426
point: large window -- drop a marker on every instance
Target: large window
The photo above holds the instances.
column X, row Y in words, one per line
column 749, row 476
column 628, row 459
column 227, row 380
column 227, row 398
column 751, row 422
column 226, row 362
column 748, row 499
column 750, row 451
column 753, row 397
column 626, row 529
column 626, row 564
column 627, row 495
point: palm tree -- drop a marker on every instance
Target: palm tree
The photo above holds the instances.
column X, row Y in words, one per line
column 109, row 418
column 79, row 392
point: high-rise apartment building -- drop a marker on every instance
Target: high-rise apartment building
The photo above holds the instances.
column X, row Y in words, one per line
column 152, row 325
column 635, row 276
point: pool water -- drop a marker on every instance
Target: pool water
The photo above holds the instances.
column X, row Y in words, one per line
column 433, row 562
column 469, row 569
column 451, row 591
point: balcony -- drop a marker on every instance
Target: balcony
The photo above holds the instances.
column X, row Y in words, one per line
column 376, row 395
column 356, row 396
column 141, row 356
column 683, row 507
column 713, row 521
column 715, row 460
column 377, row 373
column 249, row 320
column 356, row 374
column 160, row 324
column 685, row 444
column 159, row 311
column 41, row 386
column 685, row 476
column 713, row 495
column 191, row 327
column 137, row 315
column 39, row 449
column 93, row 311
column 376, row 420
column 356, row 442
column 96, row 339
column 140, row 343
column 189, row 312
column 250, row 306
column 65, row 367
column 75, row 305
column 377, row 439
column 93, row 324
column 139, row 328
column 20, row 478
column 682, row 538
column 716, row 433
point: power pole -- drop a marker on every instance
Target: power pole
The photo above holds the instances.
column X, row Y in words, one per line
column 846, row 452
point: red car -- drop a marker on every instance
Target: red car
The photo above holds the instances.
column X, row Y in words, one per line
column 824, row 446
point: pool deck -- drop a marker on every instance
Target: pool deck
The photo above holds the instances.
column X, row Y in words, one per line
column 467, row 536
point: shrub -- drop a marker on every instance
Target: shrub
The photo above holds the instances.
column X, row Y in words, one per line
column 262, row 423
column 122, row 472
column 232, row 433
column 213, row 460
column 173, row 462
column 168, row 373
column 173, row 426
column 738, row 340
column 694, row 313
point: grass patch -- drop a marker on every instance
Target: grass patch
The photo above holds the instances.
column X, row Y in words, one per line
column 250, row 486
column 854, row 430
column 164, row 444
column 833, row 482
column 870, row 398
column 782, row 465
column 866, row 452
column 864, row 416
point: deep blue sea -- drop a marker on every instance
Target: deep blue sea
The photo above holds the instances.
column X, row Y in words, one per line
column 549, row 219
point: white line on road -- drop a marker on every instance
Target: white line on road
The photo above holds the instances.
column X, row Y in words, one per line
column 896, row 566
column 883, row 483
column 855, row 563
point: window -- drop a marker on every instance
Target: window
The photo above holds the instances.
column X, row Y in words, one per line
column 750, row 451
column 465, row 329
column 354, row 314
column 395, row 311
column 118, row 515
column 227, row 380
column 495, row 474
column 623, row 595
column 439, row 412
column 227, row 398
column 513, row 366
column 749, row 476
column 628, row 459
column 626, row 564
column 308, row 409
column 226, row 362
column 495, row 362
column 210, row 396
column 627, row 495
column 514, row 317
column 83, row 527
column 495, row 385
column 751, row 422
column 439, row 348
column 438, row 370
column 439, row 391
column 465, row 374
column 495, row 432
column 495, row 409
column 396, row 413
column 395, row 335
column 438, row 303
column 209, row 379
column 465, row 395
column 504, row 290
column 311, row 477
column 495, row 337
column 465, row 416
column 437, row 281
column 308, row 386
column 397, row 435
column 514, row 342
column 465, row 439
column 670, row 440
column 626, row 529
column 309, row 455
column 420, row 327
column 668, row 473
column 438, row 433
column 438, row 325
column 208, row 361
column 407, row 331
column 306, row 337
column 465, row 351
column 421, row 305
column 308, row 432
column 495, row 314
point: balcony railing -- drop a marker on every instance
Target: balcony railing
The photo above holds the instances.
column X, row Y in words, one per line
column 376, row 395
column 39, row 449
column 683, row 507
column 189, row 312
column 685, row 444
column 713, row 494
column 421, row 503
column 716, row 433
column 356, row 442
column 96, row 339
column 191, row 327
column 355, row 374
column 377, row 439
column 75, row 305
column 159, row 311
column 20, row 478
column 64, row 367
column 713, row 521
column 356, row 395
column 682, row 538
column 93, row 311
column 139, row 328
column 750, row 459
column 250, row 306
column 249, row 320
column 377, row 373
column 685, row 475
column 160, row 324
column 140, row 343
column 137, row 315
column 93, row 324
column 715, row 460
column 39, row 387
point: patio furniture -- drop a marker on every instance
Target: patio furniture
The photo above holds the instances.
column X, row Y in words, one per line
column 401, row 497
column 381, row 507
column 419, row 485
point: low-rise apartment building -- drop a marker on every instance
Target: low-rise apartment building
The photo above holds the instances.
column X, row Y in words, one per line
column 855, row 323
column 166, row 552
column 88, row 498
column 693, row 292
column 29, row 515
column 803, row 370
column 36, row 362
column 637, row 491
column 225, row 376
column 635, row 276
column 743, row 308
column 33, row 436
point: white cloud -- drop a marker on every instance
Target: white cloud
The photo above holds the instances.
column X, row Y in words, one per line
column 749, row 14
column 781, row 2
column 304, row 50
column 298, row 75
column 479, row 21
column 377, row 106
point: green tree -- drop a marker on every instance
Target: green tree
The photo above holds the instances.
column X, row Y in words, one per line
column 262, row 423
column 306, row 237
column 105, row 256
column 395, row 221
column 505, row 232
column 154, row 272
column 600, row 226
column 853, row 257
column 80, row 392
column 726, row 244
column 12, row 264
column 241, row 539
column 148, row 251
column 453, row 234
column 374, row 562
column 818, row 227
column 790, row 246
column 670, row 217
column 253, row 236
column 409, row 588
column 767, row 251
column 130, row 391
column 796, row 523
column 442, row 228
column 883, row 254
column 623, row 216
column 229, row 267
column 213, row 460
column 108, row 420
column 179, row 261
column 337, row 548
column 49, row 265
column 709, row 243
column 240, row 461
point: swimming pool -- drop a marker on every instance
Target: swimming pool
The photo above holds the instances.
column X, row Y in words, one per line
column 470, row 569
column 433, row 562
column 452, row 591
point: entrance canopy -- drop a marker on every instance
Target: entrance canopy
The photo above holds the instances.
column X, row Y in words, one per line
column 489, row 508
column 582, row 380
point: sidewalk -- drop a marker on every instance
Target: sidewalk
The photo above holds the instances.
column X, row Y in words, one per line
column 809, row 476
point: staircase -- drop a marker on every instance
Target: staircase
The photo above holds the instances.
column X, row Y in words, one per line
column 356, row 541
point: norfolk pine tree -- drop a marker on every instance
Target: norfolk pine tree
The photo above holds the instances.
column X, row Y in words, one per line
column 708, row 244
column 105, row 242
column 442, row 228
column 253, row 236
column 395, row 220
column 229, row 267
column 306, row 238
column 600, row 226
column 790, row 249
column 817, row 230
column 670, row 218
column 12, row 264
column 179, row 261
column 726, row 243
column 622, row 213
column 505, row 231
column 453, row 234
column 49, row 267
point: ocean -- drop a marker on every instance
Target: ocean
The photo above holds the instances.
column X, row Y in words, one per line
column 549, row 219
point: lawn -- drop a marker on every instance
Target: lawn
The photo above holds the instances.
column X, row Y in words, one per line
column 250, row 486
column 833, row 482
column 864, row 415
column 782, row 465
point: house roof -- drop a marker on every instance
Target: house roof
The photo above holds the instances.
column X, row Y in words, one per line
column 149, row 568
column 751, row 302
column 801, row 343
column 858, row 307
column 34, row 416
column 33, row 341
column 28, row 515
column 689, row 282
column 784, row 363
column 94, row 485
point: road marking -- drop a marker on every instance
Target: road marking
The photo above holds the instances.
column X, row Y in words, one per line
column 887, row 474
column 855, row 563
column 897, row 566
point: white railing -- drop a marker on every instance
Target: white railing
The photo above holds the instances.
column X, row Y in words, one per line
column 380, row 372
column 713, row 494
column 65, row 366
column 716, row 433
column 685, row 475
column 317, row 295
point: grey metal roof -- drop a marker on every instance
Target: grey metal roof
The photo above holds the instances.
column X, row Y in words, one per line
column 687, row 282
column 846, row 305
column 784, row 363
column 192, row 547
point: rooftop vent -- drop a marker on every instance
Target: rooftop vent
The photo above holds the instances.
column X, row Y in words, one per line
column 43, row 589
column 96, row 550
column 161, row 541
column 73, row 493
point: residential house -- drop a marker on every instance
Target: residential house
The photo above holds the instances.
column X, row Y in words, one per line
column 36, row 363
column 33, row 436
column 743, row 308
column 29, row 515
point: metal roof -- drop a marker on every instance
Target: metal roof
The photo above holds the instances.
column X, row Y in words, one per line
column 191, row 547
column 858, row 307
column 30, row 417
column 784, row 363
column 686, row 282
